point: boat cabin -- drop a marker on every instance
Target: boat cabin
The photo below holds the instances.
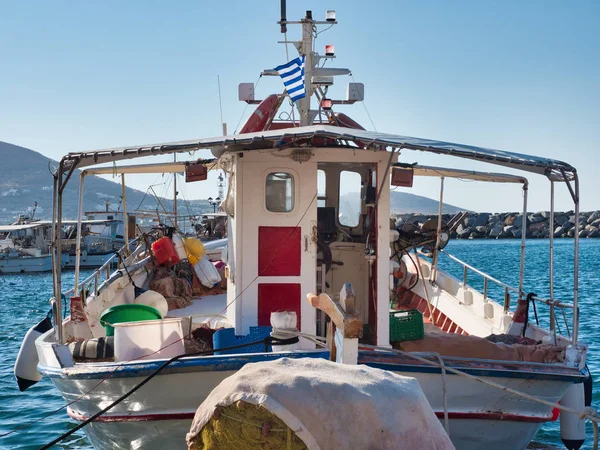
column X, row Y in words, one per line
column 305, row 221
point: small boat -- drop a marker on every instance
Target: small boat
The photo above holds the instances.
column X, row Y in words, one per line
column 25, row 247
column 294, row 244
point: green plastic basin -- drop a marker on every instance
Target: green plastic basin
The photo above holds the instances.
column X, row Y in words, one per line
column 127, row 313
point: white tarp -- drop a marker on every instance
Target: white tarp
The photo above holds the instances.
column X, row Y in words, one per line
column 334, row 406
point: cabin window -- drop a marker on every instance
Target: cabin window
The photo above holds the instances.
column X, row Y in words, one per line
column 349, row 207
column 321, row 190
column 279, row 192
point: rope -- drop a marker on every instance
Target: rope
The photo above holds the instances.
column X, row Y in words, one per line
column 365, row 106
column 444, row 391
column 420, row 273
column 588, row 413
column 246, row 107
column 275, row 255
column 267, row 341
column 144, row 356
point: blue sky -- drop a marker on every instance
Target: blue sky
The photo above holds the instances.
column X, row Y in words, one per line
column 519, row 76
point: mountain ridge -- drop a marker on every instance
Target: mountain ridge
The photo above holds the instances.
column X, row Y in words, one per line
column 27, row 179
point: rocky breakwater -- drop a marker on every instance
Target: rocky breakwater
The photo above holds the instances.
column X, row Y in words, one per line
column 512, row 225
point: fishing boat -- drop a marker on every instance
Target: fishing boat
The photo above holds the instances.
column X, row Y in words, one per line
column 25, row 247
column 292, row 246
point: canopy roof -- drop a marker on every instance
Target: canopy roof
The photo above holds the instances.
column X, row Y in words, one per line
column 328, row 136
column 24, row 226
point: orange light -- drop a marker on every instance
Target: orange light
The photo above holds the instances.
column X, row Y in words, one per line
column 329, row 50
column 326, row 104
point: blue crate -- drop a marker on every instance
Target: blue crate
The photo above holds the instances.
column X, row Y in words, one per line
column 227, row 338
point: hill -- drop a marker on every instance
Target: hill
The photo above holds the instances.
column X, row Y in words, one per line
column 26, row 179
column 405, row 203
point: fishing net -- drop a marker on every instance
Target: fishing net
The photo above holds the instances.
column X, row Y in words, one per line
column 315, row 404
column 245, row 426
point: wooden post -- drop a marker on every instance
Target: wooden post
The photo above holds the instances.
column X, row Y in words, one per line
column 346, row 327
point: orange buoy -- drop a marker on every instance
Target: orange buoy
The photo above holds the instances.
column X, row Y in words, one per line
column 342, row 120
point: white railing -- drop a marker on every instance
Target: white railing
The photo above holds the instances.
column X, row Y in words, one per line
column 552, row 304
column 102, row 273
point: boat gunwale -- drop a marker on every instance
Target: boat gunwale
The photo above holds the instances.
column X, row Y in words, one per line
column 380, row 360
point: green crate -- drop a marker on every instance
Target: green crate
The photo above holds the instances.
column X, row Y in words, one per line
column 406, row 325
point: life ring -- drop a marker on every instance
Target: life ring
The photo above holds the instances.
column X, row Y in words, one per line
column 342, row 120
column 261, row 115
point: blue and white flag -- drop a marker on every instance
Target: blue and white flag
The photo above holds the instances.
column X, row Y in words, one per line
column 292, row 75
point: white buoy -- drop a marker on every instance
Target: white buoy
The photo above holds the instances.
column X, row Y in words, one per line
column 572, row 428
column 27, row 359
column 207, row 272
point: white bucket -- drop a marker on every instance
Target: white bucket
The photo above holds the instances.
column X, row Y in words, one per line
column 148, row 339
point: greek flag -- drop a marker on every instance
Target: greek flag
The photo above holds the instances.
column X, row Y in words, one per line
column 292, row 75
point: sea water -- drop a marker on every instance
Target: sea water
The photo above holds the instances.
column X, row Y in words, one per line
column 24, row 302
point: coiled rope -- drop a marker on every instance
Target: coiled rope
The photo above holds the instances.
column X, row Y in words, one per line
column 588, row 413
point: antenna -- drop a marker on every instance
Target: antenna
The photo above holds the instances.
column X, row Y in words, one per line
column 221, row 107
column 283, row 18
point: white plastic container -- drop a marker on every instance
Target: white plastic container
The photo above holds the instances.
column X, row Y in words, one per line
column 179, row 247
column 148, row 339
column 207, row 273
column 284, row 320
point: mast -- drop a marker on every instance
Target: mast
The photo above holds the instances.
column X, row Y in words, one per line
column 305, row 48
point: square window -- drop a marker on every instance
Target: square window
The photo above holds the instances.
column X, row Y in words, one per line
column 279, row 192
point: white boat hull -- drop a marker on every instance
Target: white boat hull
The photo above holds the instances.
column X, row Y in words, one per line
column 88, row 261
column 159, row 414
column 25, row 264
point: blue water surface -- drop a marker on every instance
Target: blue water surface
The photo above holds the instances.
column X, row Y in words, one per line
column 24, row 300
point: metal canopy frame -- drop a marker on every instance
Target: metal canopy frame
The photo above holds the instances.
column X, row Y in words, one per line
column 553, row 169
column 490, row 177
column 308, row 136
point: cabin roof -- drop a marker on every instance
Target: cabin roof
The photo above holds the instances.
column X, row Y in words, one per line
column 328, row 136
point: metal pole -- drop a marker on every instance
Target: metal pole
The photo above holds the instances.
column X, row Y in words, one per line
column 58, row 249
column 125, row 218
column 523, row 237
column 551, row 240
column 551, row 265
column 576, row 266
column 175, row 193
column 439, row 230
column 52, row 243
column 79, row 236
